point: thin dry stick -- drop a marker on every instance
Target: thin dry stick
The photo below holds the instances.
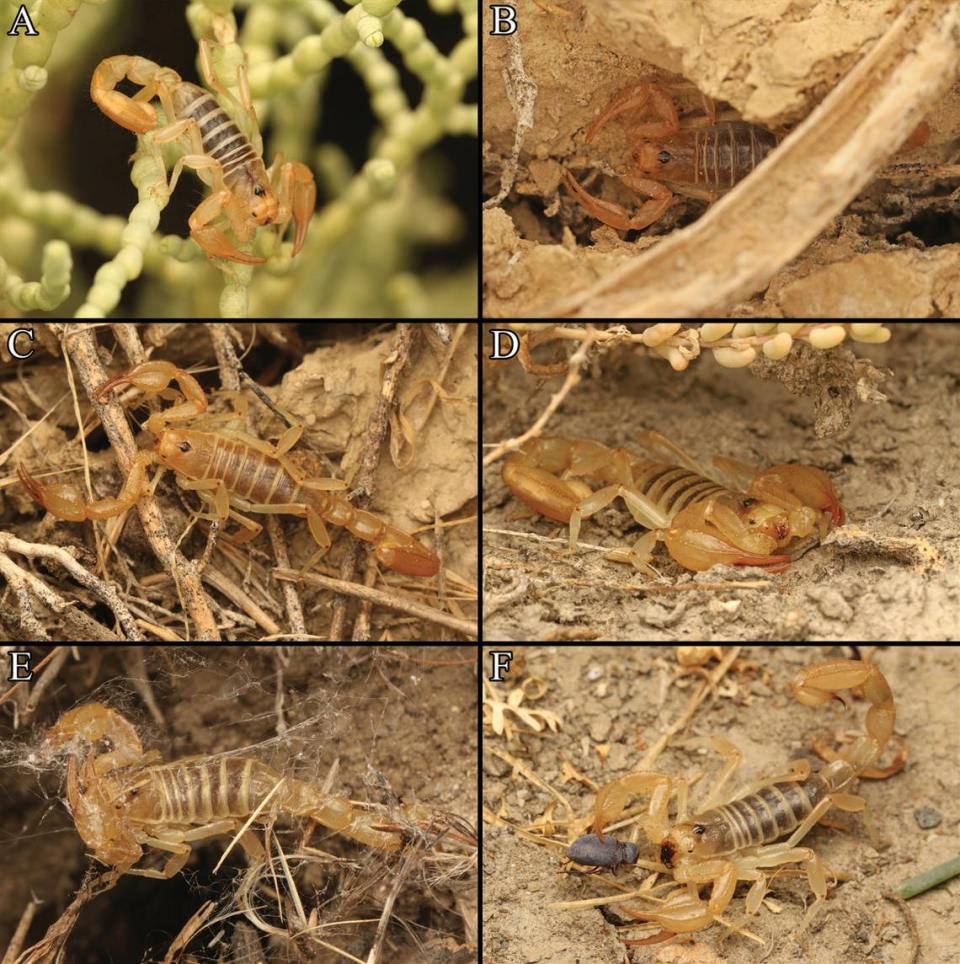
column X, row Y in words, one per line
column 369, row 456
column 291, row 599
column 573, row 378
column 390, row 601
column 227, row 361
column 23, row 583
column 43, row 662
column 911, row 925
column 693, row 705
column 409, row 859
column 20, row 934
column 526, row 771
column 43, row 681
column 106, row 592
column 241, row 598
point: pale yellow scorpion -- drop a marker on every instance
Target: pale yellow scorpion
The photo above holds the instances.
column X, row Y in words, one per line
column 727, row 842
column 246, row 193
column 123, row 799
column 232, row 471
column 701, row 522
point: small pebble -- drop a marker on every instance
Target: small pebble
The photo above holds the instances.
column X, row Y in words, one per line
column 594, row 673
column 600, row 728
column 927, row 818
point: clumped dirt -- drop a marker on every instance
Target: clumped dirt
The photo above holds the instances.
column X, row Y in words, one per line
column 891, row 462
column 615, row 702
column 383, row 725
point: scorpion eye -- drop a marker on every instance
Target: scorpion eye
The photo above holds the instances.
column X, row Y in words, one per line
column 184, row 446
column 259, row 191
column 699, row 829
column 664, row 157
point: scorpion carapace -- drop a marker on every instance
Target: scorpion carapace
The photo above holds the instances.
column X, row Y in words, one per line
column 233, row 473
column 730, row 841
column 701, row 522
column 123, row 800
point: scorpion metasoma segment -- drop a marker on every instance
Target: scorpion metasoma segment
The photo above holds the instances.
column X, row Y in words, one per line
column 246, row 193
column 231, row 471
column 733, row 841
column 700, row 158
column 123, row 800
column 701, row 522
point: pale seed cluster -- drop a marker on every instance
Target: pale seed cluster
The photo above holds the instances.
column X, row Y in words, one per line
column 679, row 345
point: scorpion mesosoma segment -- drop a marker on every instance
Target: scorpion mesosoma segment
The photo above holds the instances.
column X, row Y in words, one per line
column 733, row 841
column 701, row 522
column 232, row 472
column 246, row 193
column 700, row 158
column 123, row 800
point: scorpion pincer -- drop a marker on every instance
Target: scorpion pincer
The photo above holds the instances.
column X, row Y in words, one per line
column 231, row 473
column 734, row 841
column 123, row 800
column 701, row 522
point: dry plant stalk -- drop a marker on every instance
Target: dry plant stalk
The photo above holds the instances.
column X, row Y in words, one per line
column 771, row 216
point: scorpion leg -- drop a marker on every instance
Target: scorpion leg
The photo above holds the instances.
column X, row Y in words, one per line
column 177, row 843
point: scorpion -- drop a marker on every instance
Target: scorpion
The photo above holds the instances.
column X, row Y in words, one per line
column 231, row 472
column 736, row 840
column 123, row 799
column 246, row 193
column 701, row 158
column 701, row 522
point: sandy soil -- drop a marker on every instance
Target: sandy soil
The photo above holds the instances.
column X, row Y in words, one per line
column 892, row 464
column 615, row 702
column 401, row 726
